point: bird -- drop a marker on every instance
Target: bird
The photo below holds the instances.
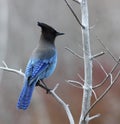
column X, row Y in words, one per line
column 41, row 65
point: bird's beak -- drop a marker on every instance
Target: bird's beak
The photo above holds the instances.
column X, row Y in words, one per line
column 58, row 33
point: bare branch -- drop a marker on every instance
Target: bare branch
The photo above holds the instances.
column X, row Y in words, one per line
column 94, row 93
column 80, row 77
column 6, row 68
column 74, row 14
column 75, row 83
column 101, row 66
column 88, row 87
column 76, row 1
column 93, row 117
column 87, row 92
column 111, row 78
column 114, row 67
column 97, row 55
column 4, row 64
column 101, row 83
column 103, row 94
column 65, row 106
column 71, row 51
column 80, row 85
column 107, row 50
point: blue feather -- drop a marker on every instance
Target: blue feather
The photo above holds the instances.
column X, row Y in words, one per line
column 35, row 71
column 25, row 95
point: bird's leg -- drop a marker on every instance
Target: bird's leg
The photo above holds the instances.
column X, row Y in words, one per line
column 43, row 85
column 47, row 89
column 40, row 85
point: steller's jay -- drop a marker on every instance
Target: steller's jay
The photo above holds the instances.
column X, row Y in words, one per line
column 41, row 65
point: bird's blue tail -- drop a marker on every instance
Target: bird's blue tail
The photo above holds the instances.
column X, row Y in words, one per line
column 25, row 96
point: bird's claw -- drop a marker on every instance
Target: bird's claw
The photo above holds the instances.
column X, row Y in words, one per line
column 48, row 90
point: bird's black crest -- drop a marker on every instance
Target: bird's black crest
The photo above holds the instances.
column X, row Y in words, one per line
column 45, row 26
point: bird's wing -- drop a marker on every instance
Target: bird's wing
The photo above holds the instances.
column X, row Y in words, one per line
column 37, row 68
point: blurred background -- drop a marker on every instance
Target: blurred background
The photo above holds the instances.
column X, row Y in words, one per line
column 19, row 34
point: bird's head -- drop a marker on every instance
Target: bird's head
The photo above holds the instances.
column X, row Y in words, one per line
column 48, row 32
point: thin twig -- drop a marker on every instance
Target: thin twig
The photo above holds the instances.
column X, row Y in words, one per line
column 75, row 83
column 76, row 1
column 101, row 66
column 71, row 51
column 88, row 87
column 65, row 106
column 97, row 55
column 74, row 14
column 93, row 117
column 101, row 83
column 80, row 77
column 103, row 94
column 80, row 85
column 111, row 78
column 107, row 49
column 94, row 93
column 6, row 68
column 4, row 64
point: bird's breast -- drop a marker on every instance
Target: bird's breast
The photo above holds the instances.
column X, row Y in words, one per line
column 51, row 67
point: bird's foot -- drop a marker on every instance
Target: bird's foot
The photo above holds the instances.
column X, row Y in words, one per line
column 44, row 86
column 48, row 90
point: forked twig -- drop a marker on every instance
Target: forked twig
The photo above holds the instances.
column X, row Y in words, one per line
column 6, row 68
column 65, row 106
column 108, row 75
column 80, row 85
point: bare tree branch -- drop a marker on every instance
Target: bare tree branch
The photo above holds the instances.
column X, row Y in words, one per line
column 93, row 117
column 76, row 1
column 80, row 77
column 111, row 78
column 101, row 66
column 94, row 93
column 71, row 51
column 74, row 14
column 6, row 68
column 75, row 83
column 65, row 106
column 87, row 92
column 107, row 50
column 97, row 55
